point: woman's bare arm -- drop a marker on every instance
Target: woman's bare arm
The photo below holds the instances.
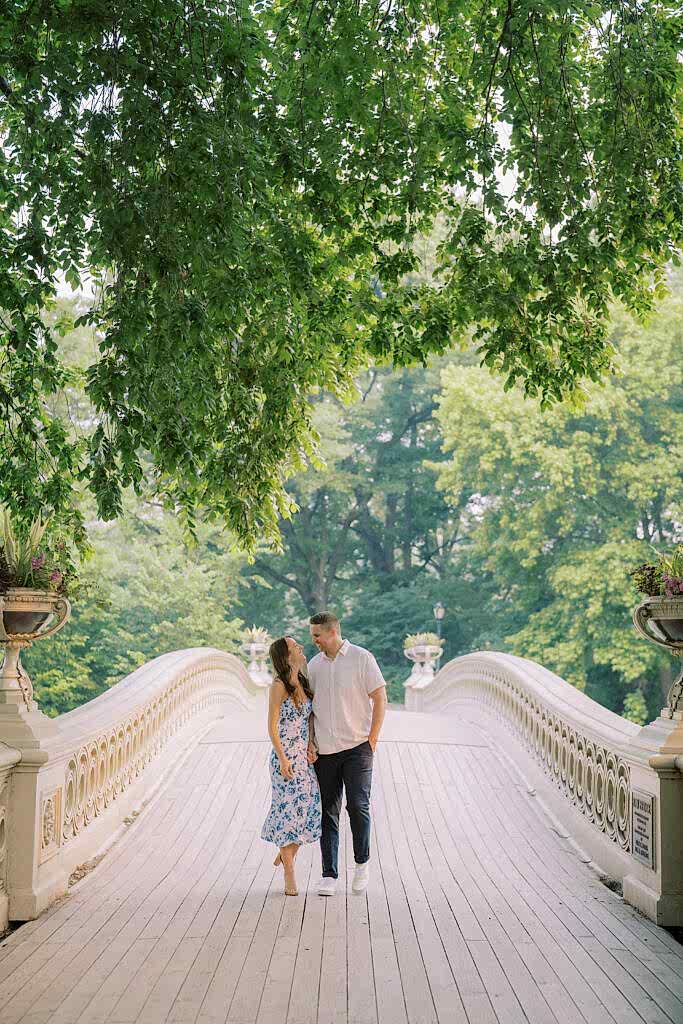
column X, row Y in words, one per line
column 275, row 698
column 312, row 752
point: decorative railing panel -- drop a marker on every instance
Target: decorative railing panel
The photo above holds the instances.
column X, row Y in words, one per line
column 625, row 781
column 578, row 744
column 84, row 771
column 106, row 765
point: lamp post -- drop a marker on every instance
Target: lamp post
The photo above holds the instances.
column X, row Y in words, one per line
column 439, row 612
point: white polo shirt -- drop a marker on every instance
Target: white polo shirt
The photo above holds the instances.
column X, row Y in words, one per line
column 341, row 706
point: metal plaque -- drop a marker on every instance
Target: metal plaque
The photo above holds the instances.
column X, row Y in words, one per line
column 642, row 827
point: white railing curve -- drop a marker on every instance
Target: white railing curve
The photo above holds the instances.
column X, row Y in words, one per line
column 76, row 778
column 605, row 778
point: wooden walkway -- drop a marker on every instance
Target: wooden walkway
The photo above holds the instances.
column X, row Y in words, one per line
column 476, row 913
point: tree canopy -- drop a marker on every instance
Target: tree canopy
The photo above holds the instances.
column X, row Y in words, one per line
column 527, row 541
column 244, row 184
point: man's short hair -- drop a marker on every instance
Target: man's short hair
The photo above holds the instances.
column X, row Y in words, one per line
column 324, row 619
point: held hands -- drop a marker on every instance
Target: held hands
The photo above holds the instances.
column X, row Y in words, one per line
column 311, row 754
column 286, row 769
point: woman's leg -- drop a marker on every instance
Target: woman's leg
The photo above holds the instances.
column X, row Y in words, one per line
column 288, row 854
column 278, row 859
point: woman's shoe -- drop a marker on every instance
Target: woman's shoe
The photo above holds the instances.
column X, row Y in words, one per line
column 290, row 887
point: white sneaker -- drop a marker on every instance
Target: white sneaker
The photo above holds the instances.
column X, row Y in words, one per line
column 360, row 877
column 327, row 886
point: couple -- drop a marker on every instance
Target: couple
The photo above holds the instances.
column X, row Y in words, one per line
column 324, row 721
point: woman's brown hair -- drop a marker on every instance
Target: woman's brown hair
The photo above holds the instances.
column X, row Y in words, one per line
column 279, row 655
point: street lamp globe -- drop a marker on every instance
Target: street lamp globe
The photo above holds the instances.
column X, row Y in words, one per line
column 439, row 612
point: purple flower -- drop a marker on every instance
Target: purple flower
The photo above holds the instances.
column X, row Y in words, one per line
column 38, row 561
column 55, row 577
column 673, row 585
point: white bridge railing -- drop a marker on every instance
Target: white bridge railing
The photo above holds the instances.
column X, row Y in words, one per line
column 615, row 787
column 67, row 784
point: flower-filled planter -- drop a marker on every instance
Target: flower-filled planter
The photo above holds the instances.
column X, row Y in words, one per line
column 255, row 646
column 659, row 616
column 33, row 605
column 423, row 649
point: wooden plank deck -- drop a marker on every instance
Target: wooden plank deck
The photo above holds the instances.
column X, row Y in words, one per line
column 476, row 912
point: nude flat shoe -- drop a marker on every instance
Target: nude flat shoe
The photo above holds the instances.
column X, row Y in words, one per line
column 291, row 890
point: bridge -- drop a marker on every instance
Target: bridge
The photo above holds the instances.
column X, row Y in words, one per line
column 510, row 812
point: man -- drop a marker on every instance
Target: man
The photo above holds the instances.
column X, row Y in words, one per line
column 349, row 702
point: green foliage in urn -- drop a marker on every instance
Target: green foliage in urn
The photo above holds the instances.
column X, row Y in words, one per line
column 663, row 577
column 30, row 558
column 647, row 578
column 247, row 188
column 422, row 640
column 256, row 635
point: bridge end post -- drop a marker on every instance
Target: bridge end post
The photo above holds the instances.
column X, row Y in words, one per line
column 656, row 885
column 9, row 758
column 31, row 807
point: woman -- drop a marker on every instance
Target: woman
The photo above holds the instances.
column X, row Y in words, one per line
column 295, row 812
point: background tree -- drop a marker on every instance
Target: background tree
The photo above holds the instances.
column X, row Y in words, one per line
column 370, row 523
column 245, row 184
column 151, row 594
column 560, row 504
column 526, row 542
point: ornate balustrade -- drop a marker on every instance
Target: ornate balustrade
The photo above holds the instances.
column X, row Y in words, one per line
column 73, row 780
column 616, row 788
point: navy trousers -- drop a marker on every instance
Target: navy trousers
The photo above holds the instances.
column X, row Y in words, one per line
column 349, row 770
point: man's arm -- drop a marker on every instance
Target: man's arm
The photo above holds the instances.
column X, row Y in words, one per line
column 377, row 692
column 312, row 749
column 379, row 707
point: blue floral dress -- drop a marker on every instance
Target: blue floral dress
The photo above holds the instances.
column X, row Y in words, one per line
column 295, row 814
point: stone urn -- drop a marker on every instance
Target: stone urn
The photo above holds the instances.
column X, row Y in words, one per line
column 26, row 616
column 424, row 655
column 255, row 646
column 660, row 620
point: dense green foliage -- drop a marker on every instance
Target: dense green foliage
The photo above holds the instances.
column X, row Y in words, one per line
column 439, row 486
column 151, row 594
column 560, row 505
column 541, row 516
column 244, row 186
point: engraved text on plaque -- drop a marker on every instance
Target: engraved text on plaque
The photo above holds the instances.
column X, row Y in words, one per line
column 642, row 831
